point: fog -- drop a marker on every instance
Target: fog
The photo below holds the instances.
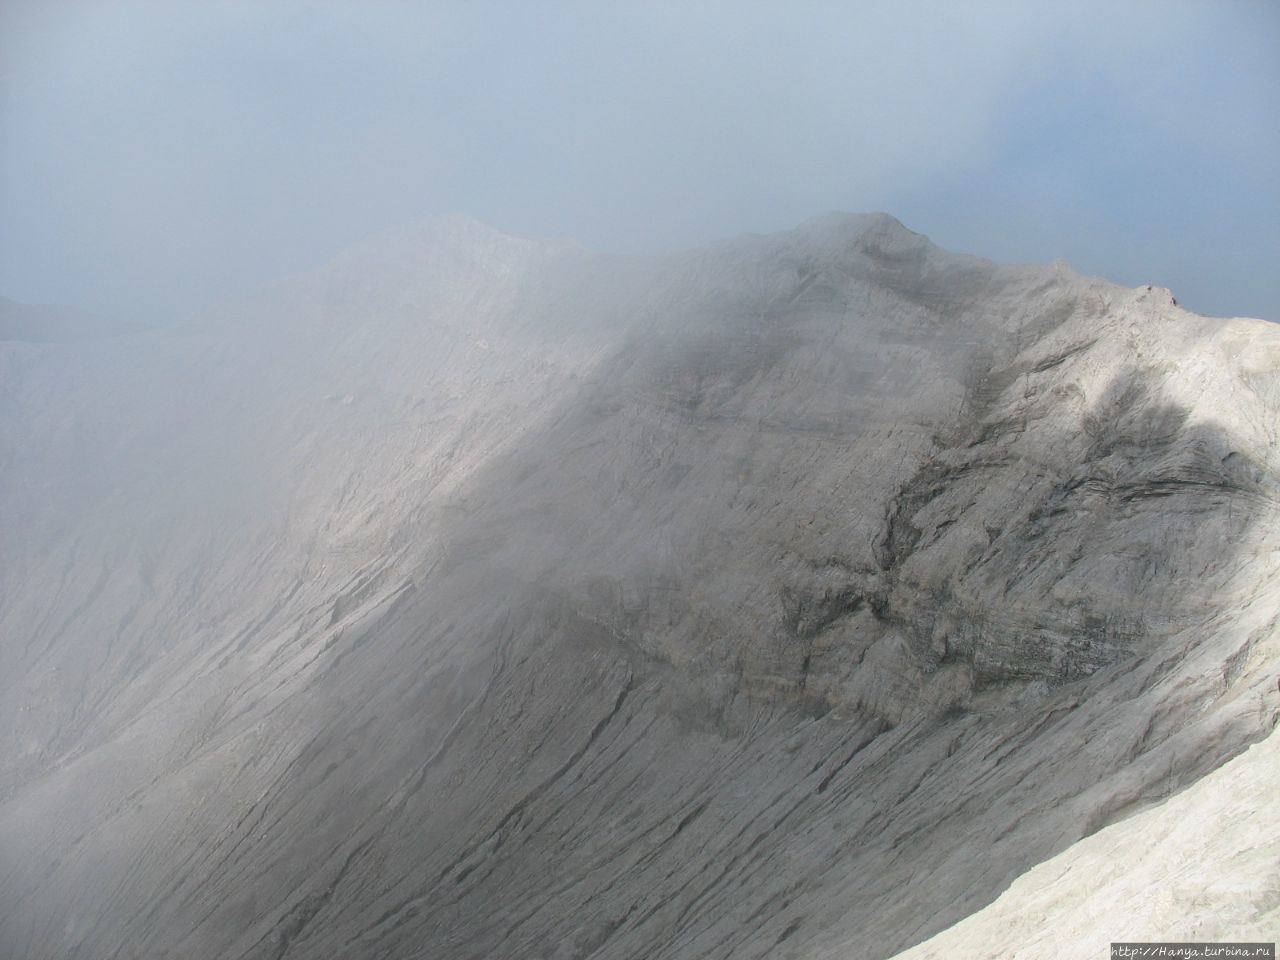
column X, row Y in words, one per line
column 480, row 594
column 160, row 157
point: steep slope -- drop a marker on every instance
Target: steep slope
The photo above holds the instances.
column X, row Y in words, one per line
column 478, row 596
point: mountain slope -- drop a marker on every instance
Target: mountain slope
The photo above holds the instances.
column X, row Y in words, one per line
column 1203, row 866
column 479, row 596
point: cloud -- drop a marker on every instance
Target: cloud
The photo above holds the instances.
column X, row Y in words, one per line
column 159, row 156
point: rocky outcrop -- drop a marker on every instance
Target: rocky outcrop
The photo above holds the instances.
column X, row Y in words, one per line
column 478, row 596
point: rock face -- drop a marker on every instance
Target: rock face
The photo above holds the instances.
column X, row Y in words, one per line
column 479, row 596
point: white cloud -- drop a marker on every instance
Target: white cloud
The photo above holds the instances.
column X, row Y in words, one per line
column 219, row 145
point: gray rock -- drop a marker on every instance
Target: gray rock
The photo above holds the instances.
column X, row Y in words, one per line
column 479, row 596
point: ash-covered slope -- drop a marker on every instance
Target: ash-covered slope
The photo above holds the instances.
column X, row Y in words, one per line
column 481, row 597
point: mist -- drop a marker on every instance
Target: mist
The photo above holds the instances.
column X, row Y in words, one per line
column 160, row 157
column 488, row 481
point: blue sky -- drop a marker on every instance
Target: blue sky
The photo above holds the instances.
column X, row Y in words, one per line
column 157, row 157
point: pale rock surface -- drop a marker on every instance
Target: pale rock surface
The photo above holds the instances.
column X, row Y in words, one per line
column 1201, row 867
column 478, row 596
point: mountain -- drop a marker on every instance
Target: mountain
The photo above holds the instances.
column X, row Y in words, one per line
column 480, row 596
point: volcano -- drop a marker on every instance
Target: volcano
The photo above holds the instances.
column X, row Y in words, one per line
column 812, row 595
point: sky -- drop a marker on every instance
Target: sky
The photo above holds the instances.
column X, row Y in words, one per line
column 156, row 158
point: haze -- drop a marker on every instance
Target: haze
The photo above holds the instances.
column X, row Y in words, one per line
column 157, row 158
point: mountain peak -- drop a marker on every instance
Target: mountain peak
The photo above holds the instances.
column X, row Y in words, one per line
column 874, row 234
column 470, row 562
column 839, row 224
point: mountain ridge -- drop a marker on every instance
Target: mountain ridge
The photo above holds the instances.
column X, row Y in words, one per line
column 732, row 603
